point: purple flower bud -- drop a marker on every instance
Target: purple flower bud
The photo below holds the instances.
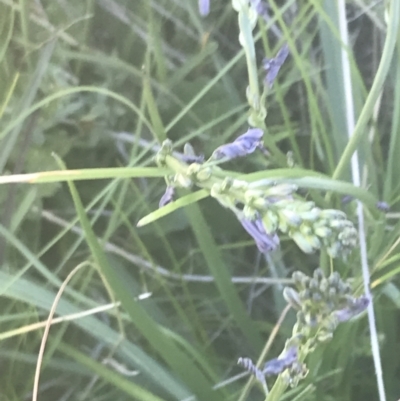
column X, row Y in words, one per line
column 241, row 146
column 347, row 199
column 357, row 306
column 190, row 158
column 265, row 242
column 261, row 8
column 204, row 7
column 278, row 365
column 382, row 206
column 168, row 196
column 273, row 65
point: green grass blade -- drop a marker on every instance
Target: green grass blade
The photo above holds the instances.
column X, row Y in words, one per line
column 366, row 113
column 171, row 354
column 222, row 276
column 126, row 385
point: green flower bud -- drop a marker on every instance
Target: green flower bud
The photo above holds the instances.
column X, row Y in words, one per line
column 188, row 149
column 226, row 185
column 324, row 336
column 292, row 297
column 284, row 204
column 292, row 218
column 249, row 213
column 302, row 242
column 303, row 207
column 311, row 319
column 314, row 241
column 334, row 250
column 300, row 318
column 300, row 279
column 182, row 180
column 283, row 224
column 270, row 221
column 305, row 295
column 333, row 214
column 252, row 194
column 311, row 215
column 324, row 285
column 281, row 190
column 199, row 172
column 306, row 230
column 334, row 279
column 316, row 297
column 237, row 185
column 318, row 274
column 323, row 232
column 331, row 324
column 332, row 294
column 313, row 284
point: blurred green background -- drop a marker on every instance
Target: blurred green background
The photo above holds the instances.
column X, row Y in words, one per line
column 100, row 83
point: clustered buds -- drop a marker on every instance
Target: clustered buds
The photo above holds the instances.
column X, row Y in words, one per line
column 264, row 208
column 311, row 227
column 322, row 303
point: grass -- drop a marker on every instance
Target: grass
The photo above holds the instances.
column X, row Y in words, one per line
column 88, row 90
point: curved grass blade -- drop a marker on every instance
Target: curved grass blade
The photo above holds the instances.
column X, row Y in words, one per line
column 221, row 274
column 172, row 355
column 40, row 297
column 312, row 180
column 170, row 207
column 126, row 385
column 84, row 174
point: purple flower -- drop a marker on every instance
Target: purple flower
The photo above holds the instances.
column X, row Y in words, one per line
column 190, row 158
column 357, row 306
column 278, row 365
column 347, row 199
column 265, row 242
column 204, row 7
column 168, row 196
column 241, row 146
column 261, row 8
column 273, row 65
column 248, row 364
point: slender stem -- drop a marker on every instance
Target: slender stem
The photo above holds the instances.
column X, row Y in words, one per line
column 387, row 54
column 248, row 46
column 357, row 181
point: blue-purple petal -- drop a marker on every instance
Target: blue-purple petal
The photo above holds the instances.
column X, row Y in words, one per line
column 243, row 145
column 204, row 7
column 265, row 242
column 261, row 8
column 273, row 65
column 358, row 306
column 383, row 206
column 278, row 365
column 168, row 196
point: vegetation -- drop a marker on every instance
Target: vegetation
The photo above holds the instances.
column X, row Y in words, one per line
column 269, row 248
